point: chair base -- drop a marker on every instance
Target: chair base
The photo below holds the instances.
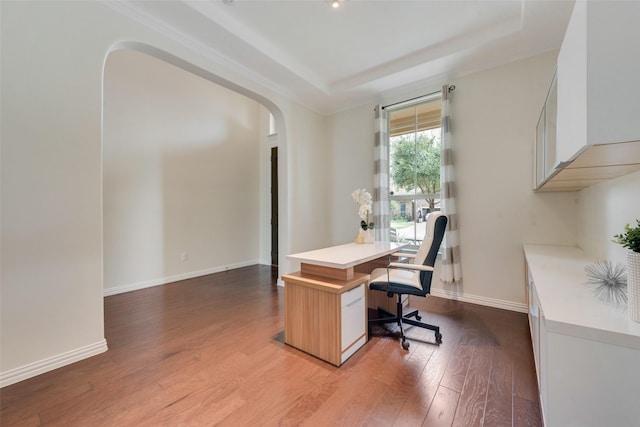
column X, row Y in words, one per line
column 400, row 319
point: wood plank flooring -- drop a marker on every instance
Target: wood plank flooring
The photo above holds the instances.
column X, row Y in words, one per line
column 209, row 351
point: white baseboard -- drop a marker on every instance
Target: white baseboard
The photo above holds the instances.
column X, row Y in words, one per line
column 170, row 279
column 473, row 299
column 49, row 364
column 476, row 299
column 265, row 261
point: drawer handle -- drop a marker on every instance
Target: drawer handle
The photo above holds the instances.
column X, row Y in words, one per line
column 353, row 302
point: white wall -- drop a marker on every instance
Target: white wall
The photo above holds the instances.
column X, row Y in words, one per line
column 52, row 259
column 494, row 114
column 603, row 211
column 181, row 174
column 51, row 186
column 308, row 219
column 350, row 147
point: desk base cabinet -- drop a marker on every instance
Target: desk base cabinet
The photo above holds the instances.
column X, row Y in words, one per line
column 324, row 317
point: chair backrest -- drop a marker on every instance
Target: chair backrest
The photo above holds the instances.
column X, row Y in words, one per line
column 428, row 251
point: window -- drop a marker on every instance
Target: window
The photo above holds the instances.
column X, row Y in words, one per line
column 414, row 167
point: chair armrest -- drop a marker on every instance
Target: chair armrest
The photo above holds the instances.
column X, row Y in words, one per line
column 419, row 267
column 404, row 255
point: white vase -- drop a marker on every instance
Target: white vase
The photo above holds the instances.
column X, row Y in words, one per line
column 633, row 285
column 365, row 236
column 369, row 236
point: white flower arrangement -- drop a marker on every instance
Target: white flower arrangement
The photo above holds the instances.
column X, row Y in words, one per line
column 363, row 198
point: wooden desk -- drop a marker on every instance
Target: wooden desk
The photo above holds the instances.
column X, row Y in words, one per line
column 326, row 302
column 343, row 261
column 338, row 262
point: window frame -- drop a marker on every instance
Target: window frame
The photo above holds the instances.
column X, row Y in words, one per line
column 432, row 121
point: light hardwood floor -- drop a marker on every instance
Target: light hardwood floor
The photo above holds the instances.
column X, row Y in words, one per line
column 209, row 351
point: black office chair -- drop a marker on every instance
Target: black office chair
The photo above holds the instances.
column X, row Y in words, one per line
column 404, row 278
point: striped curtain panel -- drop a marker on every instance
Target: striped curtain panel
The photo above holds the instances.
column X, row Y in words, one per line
column 451, row 265
column 381, row 176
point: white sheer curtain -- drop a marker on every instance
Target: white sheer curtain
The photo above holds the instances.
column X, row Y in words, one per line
column 451, row 265
column 381, row 176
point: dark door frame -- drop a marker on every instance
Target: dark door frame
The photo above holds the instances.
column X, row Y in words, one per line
column 274, row 206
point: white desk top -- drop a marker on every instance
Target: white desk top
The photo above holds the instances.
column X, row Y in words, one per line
column 568, row 305
column 348, row 255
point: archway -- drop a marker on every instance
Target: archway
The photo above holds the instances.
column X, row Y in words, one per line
column 187, row 162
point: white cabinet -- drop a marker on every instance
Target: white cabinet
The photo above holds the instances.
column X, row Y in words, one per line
column 539, row 173
column 538, row 338
column 598, row 69
column 572, row 93
column 546, row 137
column 586, row 352
column 353, row 321
column 598, row 96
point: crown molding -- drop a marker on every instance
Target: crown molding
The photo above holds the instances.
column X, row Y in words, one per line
column 140, row 16
column 216, row 13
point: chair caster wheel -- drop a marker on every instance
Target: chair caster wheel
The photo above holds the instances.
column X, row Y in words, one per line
column 438, row 338
column 405, row 344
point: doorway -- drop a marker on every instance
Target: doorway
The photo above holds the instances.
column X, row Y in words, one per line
column 274, row 207
column 162, row 214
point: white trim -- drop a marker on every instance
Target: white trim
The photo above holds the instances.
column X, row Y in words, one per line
column 49, row 364
column 170, row 279
column 141, row 16
column 265, row 262
column 273, row 140
column 480, row 300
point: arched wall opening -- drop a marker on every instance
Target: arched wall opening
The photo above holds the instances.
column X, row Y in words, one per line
column 52, row 129
column 184, row 162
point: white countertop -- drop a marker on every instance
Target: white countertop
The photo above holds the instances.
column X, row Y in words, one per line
column 347, row 255
column 568, row 305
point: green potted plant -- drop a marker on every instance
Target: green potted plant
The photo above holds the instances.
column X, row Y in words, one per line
column 630, row 239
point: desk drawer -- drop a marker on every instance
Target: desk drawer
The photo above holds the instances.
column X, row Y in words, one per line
column 353, row 316
column 353, row 295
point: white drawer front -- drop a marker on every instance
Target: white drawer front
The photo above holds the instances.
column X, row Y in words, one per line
column 353, row 295
column 353, row 316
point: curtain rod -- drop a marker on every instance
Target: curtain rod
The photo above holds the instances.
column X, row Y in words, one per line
column 451, row 89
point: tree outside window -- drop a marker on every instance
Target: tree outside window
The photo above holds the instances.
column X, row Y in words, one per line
column 414, row 169
column 415, row 165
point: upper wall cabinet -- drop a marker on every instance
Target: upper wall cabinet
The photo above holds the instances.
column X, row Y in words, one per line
column 546, row 136
column 598, row 97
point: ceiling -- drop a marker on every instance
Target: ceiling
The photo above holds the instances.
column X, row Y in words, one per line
column 366, row 50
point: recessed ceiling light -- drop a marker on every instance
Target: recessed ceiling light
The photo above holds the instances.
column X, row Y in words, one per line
column 335, row 4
